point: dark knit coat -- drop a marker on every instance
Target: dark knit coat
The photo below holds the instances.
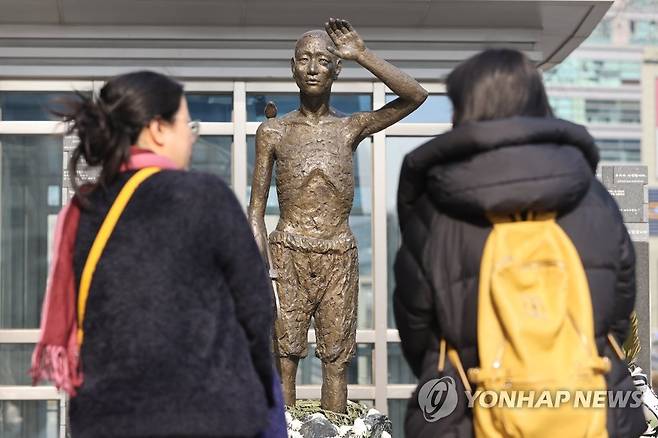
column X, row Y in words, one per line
column 502, row 166
column 178, row 320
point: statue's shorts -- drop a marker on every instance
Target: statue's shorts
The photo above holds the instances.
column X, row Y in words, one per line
column 316, row 278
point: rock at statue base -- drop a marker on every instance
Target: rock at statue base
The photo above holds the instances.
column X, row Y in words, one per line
column 317, row 425
column 377, row 423
column 307, row 420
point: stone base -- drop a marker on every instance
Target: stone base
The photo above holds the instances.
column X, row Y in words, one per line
column 307, row 420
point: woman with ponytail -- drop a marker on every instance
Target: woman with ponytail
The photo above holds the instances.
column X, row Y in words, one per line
column 157, row 313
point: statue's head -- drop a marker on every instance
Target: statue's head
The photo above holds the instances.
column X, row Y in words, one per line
column 313, row 66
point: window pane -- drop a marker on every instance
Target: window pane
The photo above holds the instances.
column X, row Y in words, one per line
column 397, row 410
column 29, row 419
column 396, row 149
column 436, row 109
column 619, row 150
column 583, row 71
column 602, row 33
column 287, row 102
column 361, row 224
column 359, row 372
column 580, row 110
column 212, row 154
column 351, row 103
column 360, row 219
column 398, row 369
column 644, row 31
column 30, row 184
column 612, row 111
column 14, row 363
column 28, row 105
column 568, row 108
column 210, row 107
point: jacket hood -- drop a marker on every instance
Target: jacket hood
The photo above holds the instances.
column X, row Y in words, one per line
column 501, row 166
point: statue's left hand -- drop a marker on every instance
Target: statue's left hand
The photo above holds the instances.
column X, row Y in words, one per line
column 349, row 44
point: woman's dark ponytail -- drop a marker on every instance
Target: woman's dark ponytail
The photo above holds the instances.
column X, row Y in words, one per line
column 110, row 124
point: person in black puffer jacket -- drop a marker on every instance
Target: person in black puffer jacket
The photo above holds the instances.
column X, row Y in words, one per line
column 505, row 154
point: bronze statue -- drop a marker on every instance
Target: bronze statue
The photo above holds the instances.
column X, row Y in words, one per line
column 313, row 252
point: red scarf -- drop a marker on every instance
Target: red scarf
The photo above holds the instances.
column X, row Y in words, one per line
column 57, row 355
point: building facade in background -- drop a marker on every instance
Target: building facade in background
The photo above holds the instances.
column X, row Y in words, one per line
column 600, row 84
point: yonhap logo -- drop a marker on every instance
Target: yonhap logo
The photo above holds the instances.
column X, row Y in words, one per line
column 438, row 398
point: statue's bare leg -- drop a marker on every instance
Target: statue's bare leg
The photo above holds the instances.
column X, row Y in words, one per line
column 334, row 387
column 335, row 325
column 288, row 376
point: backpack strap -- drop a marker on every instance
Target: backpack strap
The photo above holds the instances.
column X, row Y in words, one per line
column 615, row 347
column 453, row 357
column 103, row 236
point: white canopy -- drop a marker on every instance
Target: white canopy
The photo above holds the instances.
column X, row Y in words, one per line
column 253, row 39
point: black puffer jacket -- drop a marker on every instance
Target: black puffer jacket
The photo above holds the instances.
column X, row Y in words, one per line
column 502, row 166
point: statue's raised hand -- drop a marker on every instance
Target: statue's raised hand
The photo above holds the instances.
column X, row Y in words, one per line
column 349, row 44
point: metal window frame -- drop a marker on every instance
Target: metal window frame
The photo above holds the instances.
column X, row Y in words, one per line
column 46, row 85
column 380, row 391
column 34, row 128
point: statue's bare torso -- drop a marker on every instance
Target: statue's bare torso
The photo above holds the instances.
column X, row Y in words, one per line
column 315, row 176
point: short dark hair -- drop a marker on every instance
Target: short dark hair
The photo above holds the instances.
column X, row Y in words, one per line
column 110, row 124
column 497, row 84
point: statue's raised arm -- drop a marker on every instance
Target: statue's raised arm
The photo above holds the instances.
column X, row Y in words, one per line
column 349, row 45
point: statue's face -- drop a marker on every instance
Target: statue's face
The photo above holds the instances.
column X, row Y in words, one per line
column 314, row 67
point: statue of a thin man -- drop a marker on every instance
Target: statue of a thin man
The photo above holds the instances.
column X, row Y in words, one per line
column 313, row 252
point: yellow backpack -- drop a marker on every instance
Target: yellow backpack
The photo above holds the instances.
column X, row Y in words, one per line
column 540, row 374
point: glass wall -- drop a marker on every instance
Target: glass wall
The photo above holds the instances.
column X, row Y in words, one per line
column 29, row 419
column 210, row 107
column 612, row 111
column 212, row 154
column 31, row 105
column 644, row 31
column 30, row 188
column 396, row 149
column 582, row 110
column 397, row 409
column 437, row 108
column 619, row 149
column 31, row 176
column 595, row 72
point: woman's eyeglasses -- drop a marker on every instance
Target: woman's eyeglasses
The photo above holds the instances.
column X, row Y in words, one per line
column 195, row 127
